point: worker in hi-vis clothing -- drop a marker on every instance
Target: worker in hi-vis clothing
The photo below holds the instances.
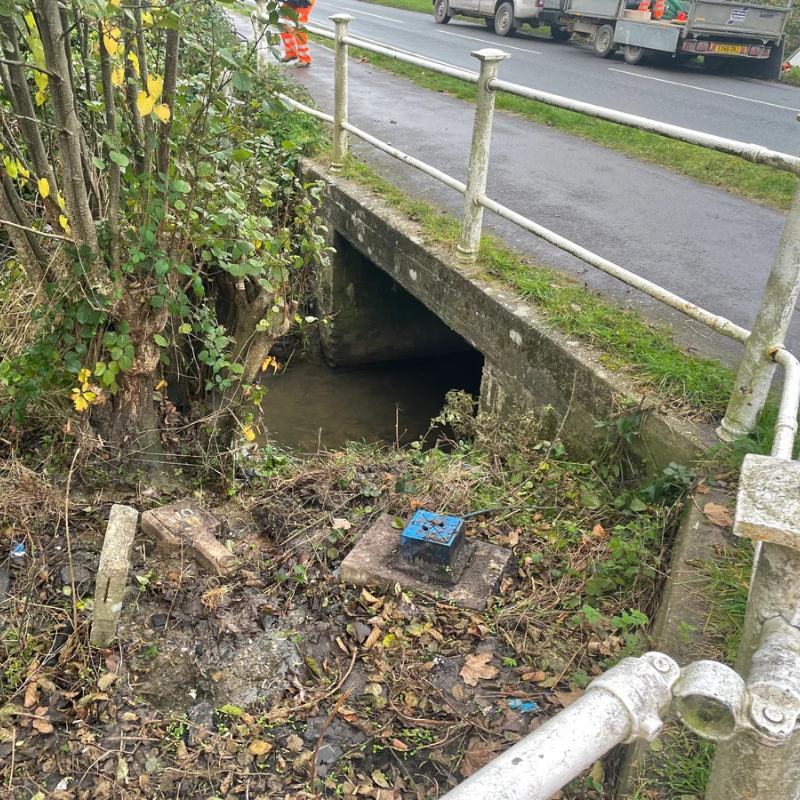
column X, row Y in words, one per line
column 294, row 13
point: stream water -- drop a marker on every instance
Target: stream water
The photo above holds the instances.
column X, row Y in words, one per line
column 310, row 405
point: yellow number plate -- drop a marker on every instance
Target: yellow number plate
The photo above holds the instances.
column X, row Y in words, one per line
column 730, row 49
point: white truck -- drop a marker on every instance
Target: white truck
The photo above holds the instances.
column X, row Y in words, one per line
column 717, row 30
column 720, row 31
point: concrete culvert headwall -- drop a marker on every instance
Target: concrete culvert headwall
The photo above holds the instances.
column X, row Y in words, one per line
column 390, row 295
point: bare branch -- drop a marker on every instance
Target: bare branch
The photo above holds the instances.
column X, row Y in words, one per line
column 26, row 65
column 70, row 136
column 114, row 174
column 28, row 229
column 171, row 60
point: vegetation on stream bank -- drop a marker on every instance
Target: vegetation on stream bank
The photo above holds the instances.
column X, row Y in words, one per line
column 163, row 240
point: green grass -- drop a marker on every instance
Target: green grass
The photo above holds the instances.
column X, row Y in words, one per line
column 675, row 767
column 792, row 77
column 626, row 340
column 729, row 578
column 423, row 6
column 753, row 181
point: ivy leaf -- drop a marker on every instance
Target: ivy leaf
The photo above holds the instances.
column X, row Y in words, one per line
column 160, row 340
column 120, row 159
column 181, row 186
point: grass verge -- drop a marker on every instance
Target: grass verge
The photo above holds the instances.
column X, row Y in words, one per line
column 752, row 181
column 628, row 342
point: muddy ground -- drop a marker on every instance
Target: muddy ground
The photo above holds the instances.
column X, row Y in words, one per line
column 280, row 682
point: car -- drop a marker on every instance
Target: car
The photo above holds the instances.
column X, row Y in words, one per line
column 503, row 17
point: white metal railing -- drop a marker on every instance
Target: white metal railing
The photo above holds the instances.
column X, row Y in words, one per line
column 755, row 718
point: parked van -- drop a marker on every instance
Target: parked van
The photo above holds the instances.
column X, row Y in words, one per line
column 502, row 17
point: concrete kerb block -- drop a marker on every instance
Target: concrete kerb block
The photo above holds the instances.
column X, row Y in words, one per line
column 768, row 502
column 112, row 573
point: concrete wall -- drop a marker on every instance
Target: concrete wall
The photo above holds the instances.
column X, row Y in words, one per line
column 372, row 318
column 528, row 364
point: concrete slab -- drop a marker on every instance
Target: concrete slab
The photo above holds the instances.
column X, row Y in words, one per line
column 185, row 523
column 768, row 502
column 373, row 562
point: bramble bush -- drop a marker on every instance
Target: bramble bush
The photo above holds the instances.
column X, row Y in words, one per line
column 157, row 229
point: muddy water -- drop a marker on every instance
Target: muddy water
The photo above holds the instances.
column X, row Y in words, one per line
column 311, row 405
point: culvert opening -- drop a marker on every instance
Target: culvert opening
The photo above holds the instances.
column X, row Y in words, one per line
column 379, row 371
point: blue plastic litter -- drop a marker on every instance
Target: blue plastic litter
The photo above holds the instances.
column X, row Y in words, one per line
column 18, row 550
column 523, row 706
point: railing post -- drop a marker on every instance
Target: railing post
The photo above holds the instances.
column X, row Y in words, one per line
column 472, row 221
column 754, row 376
column 340, row 135
column 765, row 762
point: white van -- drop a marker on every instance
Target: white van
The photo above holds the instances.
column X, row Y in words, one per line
column 501, row 16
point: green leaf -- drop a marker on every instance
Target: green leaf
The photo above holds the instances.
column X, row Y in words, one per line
column 241, row 82
column 241, row 154
column 231, row 710
column 160, row 340
column 181, row 186
column 185, row 328
column 120, row 159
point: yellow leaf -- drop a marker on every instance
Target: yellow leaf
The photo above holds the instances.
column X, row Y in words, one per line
column 265, row 363
column 79, row 401
column 115, row 3
column 145, row 103
column 259, row 747
column 64, row 223
column 84, row 375
column 155, row 85
column 162, row 384
column 30, row 21
column 147, row 17
column 249, row 433
column 44, row 187
column 111, row 38
column 134, row 59
column 11, row 167
column 60, row 200
column 162, row 112
column 40, row 98
column 117, row 76
column 257, row 244
column 22, row 171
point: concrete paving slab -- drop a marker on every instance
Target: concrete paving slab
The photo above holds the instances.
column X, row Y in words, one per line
column 373, row 562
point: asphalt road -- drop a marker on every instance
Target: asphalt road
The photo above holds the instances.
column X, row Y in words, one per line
column 711, row 247
column 739, row 108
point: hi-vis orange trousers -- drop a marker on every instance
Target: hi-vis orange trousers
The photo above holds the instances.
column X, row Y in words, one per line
column 295, row 42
